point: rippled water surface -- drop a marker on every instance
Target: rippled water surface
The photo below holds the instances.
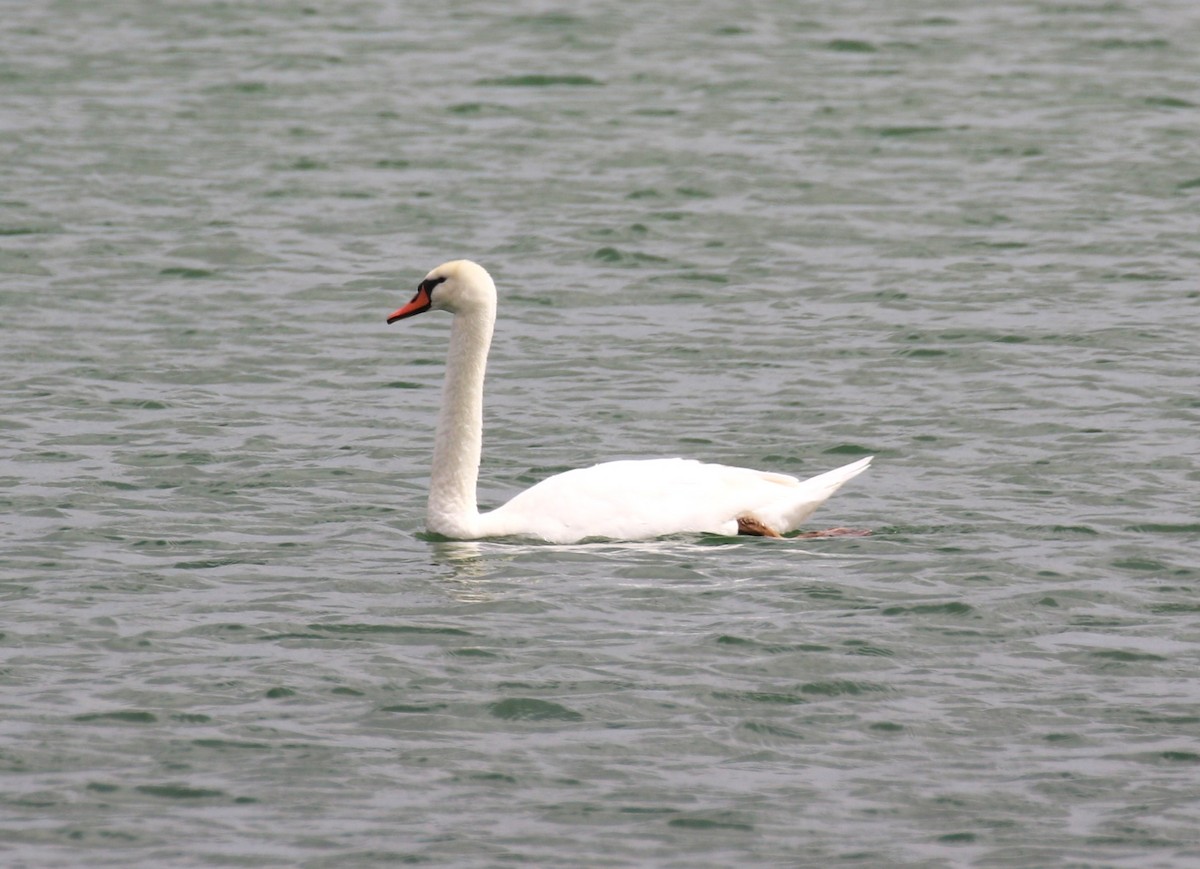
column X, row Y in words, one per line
column 959, row 236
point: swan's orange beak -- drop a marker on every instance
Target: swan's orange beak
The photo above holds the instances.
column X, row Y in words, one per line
column 420, row 302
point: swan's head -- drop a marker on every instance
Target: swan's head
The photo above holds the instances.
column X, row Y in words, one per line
column 457, row 286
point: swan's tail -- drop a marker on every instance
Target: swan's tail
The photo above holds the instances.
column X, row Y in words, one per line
column 787, row 513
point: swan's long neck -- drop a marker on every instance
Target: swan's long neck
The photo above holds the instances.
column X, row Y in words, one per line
column 453, row 509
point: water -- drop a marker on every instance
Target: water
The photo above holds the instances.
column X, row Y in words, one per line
column 961, row 237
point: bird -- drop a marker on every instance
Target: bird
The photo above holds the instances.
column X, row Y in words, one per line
column 624, row 500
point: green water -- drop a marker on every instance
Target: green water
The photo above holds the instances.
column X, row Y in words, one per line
column 959, row 236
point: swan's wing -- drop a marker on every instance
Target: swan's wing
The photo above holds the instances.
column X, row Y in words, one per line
column 638, row 500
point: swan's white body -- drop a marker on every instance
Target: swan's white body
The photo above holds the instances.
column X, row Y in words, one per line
column 624, row 500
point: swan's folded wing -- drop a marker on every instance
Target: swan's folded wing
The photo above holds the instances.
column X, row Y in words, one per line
column 639, row 500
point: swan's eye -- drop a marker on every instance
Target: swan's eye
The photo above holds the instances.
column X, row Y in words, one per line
column 429, row 283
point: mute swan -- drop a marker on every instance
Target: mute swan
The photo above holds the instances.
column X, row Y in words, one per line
column 623, row 500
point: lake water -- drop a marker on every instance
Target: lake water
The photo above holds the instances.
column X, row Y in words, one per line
column 963, row 237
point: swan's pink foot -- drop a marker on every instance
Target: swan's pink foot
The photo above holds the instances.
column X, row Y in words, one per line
column 755, row 528
column 837, row 532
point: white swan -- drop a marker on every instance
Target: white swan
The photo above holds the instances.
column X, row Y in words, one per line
column 623, row 500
